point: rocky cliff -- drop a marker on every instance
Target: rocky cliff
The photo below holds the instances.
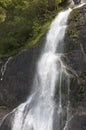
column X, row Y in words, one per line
column 18, row 77
column 75, row 50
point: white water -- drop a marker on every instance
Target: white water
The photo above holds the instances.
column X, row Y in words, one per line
column 41, row 111
column 37, row 113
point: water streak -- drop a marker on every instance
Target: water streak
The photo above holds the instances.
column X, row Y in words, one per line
column 4, row 67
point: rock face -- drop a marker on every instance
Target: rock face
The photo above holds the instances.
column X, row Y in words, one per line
column 17, row 80
column 76, row 1
column 75, row 50
column 78, row 123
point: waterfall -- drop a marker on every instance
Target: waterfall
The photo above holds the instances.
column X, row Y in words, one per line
column 42, row 111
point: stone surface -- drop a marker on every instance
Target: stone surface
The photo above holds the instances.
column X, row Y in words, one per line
column 75, row 50
column 16, row 83
column 77, row 1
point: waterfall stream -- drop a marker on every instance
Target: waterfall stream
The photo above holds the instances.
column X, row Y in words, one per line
column 41, row 111
column 37, row 113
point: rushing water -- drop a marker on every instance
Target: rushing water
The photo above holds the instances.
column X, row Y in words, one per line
column 41, row 111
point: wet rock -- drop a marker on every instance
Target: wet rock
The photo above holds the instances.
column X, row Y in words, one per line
column 7, row 122
column 3, row 112
column 75, row 50
column 78, row 123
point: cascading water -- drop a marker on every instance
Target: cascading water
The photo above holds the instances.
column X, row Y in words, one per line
column 41, row 111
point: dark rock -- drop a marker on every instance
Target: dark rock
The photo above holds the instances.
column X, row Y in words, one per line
column 78, row 122
column 6, row 124
column 3, row 112
column 77, row 2
column 75, row 50
column 18, row 77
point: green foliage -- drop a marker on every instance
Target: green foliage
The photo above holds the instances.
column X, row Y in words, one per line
column 60, row 1
column 21, row 21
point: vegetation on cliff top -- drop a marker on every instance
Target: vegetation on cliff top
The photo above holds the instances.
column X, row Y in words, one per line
column 23, row 22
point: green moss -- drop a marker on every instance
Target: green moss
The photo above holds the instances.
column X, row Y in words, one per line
column 73, row 31
column 18, row 34
column 73, row 14
column 84, row 57
column 73, row 22
column 31, row 43
column 3, row 107
column 34, row 40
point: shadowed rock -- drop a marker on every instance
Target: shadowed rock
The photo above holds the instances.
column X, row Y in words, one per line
column 76, row 2
column 18, row 77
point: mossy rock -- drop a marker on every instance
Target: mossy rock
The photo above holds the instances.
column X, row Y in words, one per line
column 75, row 50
